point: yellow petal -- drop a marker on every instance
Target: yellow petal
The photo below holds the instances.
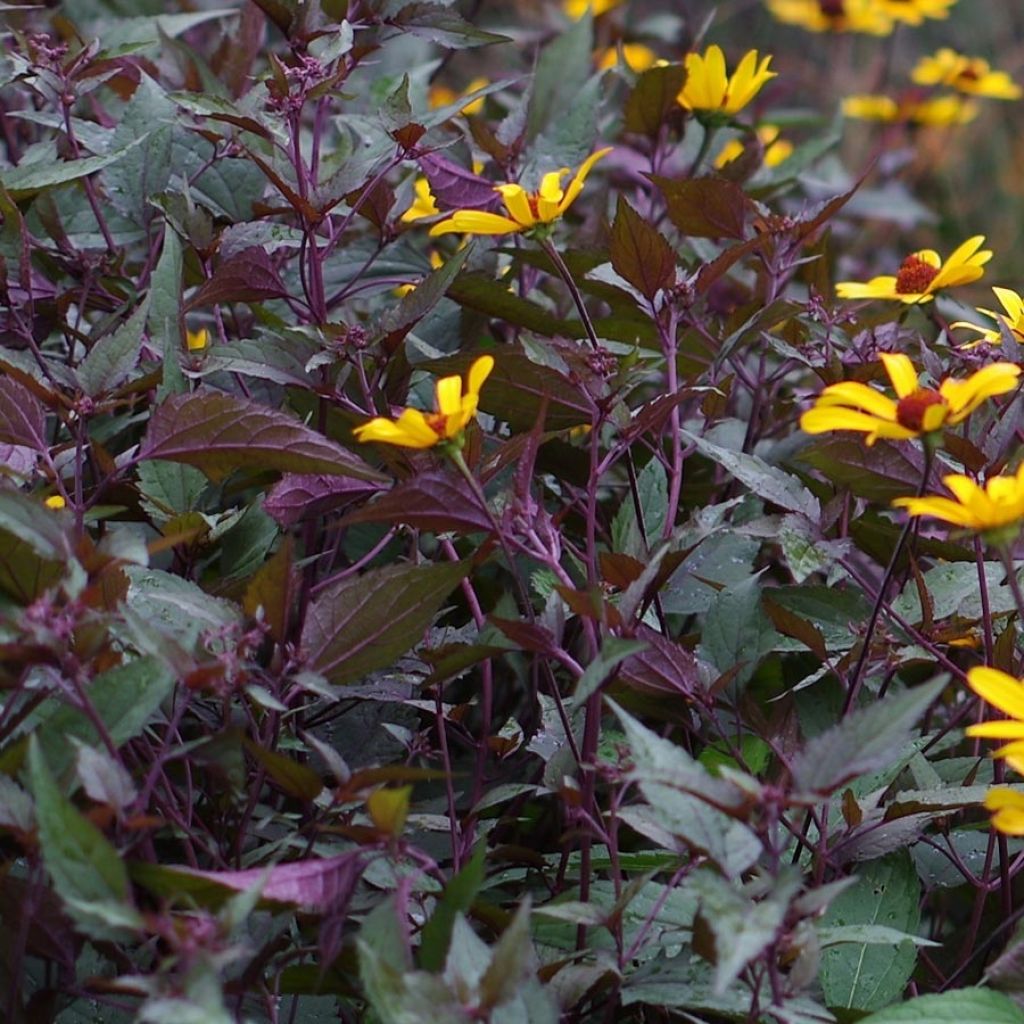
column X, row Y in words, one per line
column 901, row 372
column 859, row 396
column 197, row 340
column 389, row 808
column 1002, row 729
column 449, row 395
column 1011, row 302
column 938, row 508
column 883, row 287
column 998, row 689
column 1008, row 808
column 575, row 186
column 478, row 373
column 964, row 396
column 55, row 502
column 822, row 419
column 475, row 222
column 517, row 203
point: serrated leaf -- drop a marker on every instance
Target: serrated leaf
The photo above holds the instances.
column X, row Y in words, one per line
column 86, row 869
column 737, row 632
column 863, row 976
column 114, row 356
column 705, row 207
column 445, row 26
column 562, row 68
column 960, row 1006
column 219, row 433
column 22, row 420
column 28, row 178
column 653, row 98
column 247, row 276
column 164, row 320
column 296, row 779
column 640, row 253
column 364, row 623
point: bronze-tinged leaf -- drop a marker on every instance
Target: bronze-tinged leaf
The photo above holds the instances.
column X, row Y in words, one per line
column 298, row 496
column 639, row 253
column 527, row 635
column 219, row 433
column 654, row 98
column 662, row 667
column 271, row 589
column 22, row 421
column 788, row 623
column 248, row 276
column 434, row 500
column 364, row 623
column 880, row 473
column 705, row 207
column 280, row 12
column 296, row 779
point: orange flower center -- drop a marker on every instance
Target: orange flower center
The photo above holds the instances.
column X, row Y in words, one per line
column 437, row 421
column 910, row 410
column 914, row 276
column 832, row 8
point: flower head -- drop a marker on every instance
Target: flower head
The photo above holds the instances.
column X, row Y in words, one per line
column 525, row 210
column 922, row 274
column 55, row 502
column 911, row 108
column 575, row 9
column 971, row 75
column 1007, row 806
column 776, row 150
column 914, row 12
column 196, row 341
column 851, row 405
column 833, row 15
column 635, row 56
column 1012, row 318
column 991, row 509
column 442, row 96
column 1007, row 694
column 455, row 408
column 709, row 89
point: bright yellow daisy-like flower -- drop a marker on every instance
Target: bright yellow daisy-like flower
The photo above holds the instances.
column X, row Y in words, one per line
column 971, row 75
column 776, row 150
column 1012, row 318
column 196, row 341
column 455, row 408
column 914, row 12
column 636, row 57
column 922, row 274
column 525, row 210
column 991, row 509
column 709, row 89
column 934, row 112
column 833, row 15
column 1007, row 694
column 851, row 405
column 577, row 8
column 1007, row 806
column 442, row 96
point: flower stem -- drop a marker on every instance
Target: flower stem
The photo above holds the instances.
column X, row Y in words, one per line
column 857, row 676
column 563, row 272
column 705, row 146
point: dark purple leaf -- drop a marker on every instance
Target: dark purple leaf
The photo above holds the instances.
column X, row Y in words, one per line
column 22, row 421
column 456, row 188
column 654, row 98
column 434, row 500
column 298, row 496
column 663, row 667
column 705, row 207
column 639, row 253
column 248, row 276
column 219, row 433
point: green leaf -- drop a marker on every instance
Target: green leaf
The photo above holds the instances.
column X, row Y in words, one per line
column 768, row 482
column 25, row 517
column 458, row 896
column 443, row 25
column 219, row 433
column 961, row 1006
column 28, row 178
column 562, row 68
column 614, row 651
column 482, row 293
column 736, row 629
column 868, row 977
column 865, row 741
column 164, row 320
column 169, row 488
column 954, row 590
column 652, row 492
column 114, row 356
column 640, row 253
column 86, row 869
column 364, row 623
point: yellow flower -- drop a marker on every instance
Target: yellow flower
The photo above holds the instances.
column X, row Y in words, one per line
column 55, row 502
column 776, row 150
column 1007, row 694
column 636, row 57
column 935, row 112
column 922, row 274
column 577, row 8
column 526, row 210
column 423, row 205
column 1008, row 807
column 998, row 505
column 389, row 808
column 1012, row 318
column 197, row 340
column 436, row 262
column 851, row 405
column 833, row 15
column 708, row 88
column 442, row 96
column 455, row 408
column 914, row 12
column 967, row 74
